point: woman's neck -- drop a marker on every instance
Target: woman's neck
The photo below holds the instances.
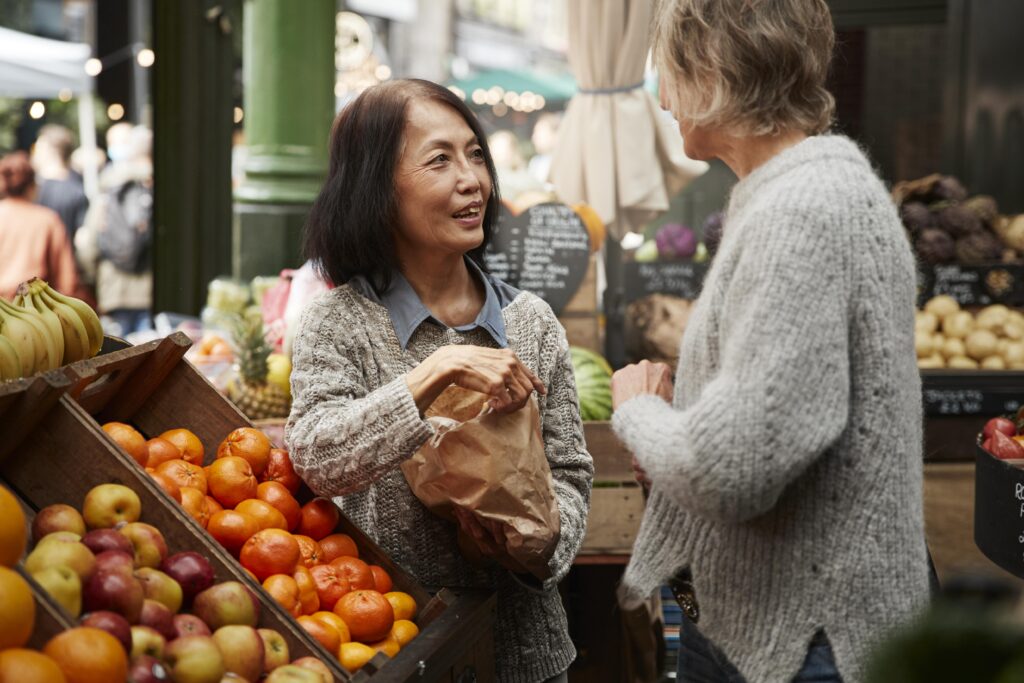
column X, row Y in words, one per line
column 446, row 287
column 744, row 154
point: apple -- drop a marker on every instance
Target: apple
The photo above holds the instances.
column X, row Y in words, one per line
column 225, row 604
column 117, row 591
column 315, row 665
column 190, row 625
column 148, row 543
column 112, row 623
column 156, row 615
column 115, row 560
column 101, row 540
column 107, row 505
column 158, row 586
column 294, row 674
column 147, row 669
column 999, row 424
column 63, row 585
column 1005, row 448
column 59, row 517
column 242, row 648
column 147, row 641
column 275, row 649
column 191, row 570
column 194, row 659
column 232, row 677
column 58, row 549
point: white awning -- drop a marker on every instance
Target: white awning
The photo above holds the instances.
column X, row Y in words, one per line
column 31, row 66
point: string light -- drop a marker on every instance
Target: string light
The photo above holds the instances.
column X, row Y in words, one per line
column 145, row 58
column 37, row 110
column 93, row 66
column 115, row 112
column 64, row 95
column 239, row 114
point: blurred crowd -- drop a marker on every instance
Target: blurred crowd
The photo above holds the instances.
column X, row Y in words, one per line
column 97, row 249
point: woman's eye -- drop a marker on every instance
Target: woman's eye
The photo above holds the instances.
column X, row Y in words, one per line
column 439, row 159
column 477, row 154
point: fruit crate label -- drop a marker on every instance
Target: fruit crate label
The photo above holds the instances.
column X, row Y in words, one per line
column 999, row 511
column 950, row 392
column 975, row 285
column 544, row 250
column 678, row 278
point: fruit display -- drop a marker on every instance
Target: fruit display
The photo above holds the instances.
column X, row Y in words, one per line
column 43, row 329
column 251, row 390
column 947, row 336
column 1004, row 438
column 593, row 383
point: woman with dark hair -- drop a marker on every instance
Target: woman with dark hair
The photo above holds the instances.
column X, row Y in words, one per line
column 401, row 225
column 33, row 241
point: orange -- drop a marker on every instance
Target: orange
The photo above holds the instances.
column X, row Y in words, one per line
column 337, row 545
column 129, row 439
column 194, row 503
column 388, row 646
column 212, row 506
column 232, row 480
column 88, row 655
column 337, row 622
column 354, row 656
column 160, row 451
column 279, row 469
column 285, row 591
column 232, row 529
column 188, row 444
column 248, row 443
column 270, row 551
column 265, row 514
column 402, row 603
column 331, row 584
column 167, row 484
column 358, row 573
column 307, row 589
column 368, row 614
column 12, row 529
column 281, row 498
column 29, row 666
column 184, row 474
column 326, row 634
column 593, row 223
column 319, row 517
column 403, row 631
column 381, row 580
column 17, row 609
column 312, row 553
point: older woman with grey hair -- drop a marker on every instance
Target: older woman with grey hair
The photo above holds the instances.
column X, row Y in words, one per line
column 785, row 466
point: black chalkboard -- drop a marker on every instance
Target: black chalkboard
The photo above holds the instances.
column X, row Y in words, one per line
column 999, row 511
column 544, row 250
column 975, row 285
column 968, row 392
column 678, row 278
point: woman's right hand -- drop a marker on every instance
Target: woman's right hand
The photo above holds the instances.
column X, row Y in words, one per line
column 497, row 373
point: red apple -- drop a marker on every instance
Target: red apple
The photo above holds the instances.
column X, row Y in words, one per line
column 295, row 674
column 160, row 587
column 148, row 543
column 102, row 540
column 147, row 669
column 57, row 517
column 113, row 623
column 225, row 604
column 194, row 659
column 115, row 560
column 314, row 664
column 107, row 505
column 117, row 591
column 191, row 570
column 147, row 641
column 1005, row 448
column 156, row 615
column 242, row 648
column 999, row 424
column 59, row 549
column 190, row 625
column 275, row 649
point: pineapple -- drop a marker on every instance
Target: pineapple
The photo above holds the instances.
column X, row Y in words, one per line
column 250, row 391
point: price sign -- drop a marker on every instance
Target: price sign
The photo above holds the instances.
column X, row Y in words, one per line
column 975, row 285
column 678, row 278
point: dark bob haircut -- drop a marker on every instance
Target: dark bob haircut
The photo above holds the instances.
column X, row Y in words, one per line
column 350, row 229
column 17, row 176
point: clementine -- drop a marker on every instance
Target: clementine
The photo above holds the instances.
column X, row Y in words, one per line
column 307, row 589
column 232, row 480
column 312, row 553
column 319, row 517
column 17, row 609
column 270, row 551
column 354, row 656
column 12, row 529
column 212, row 506
column 29, row 666
column 194, row 503
column 338, row 545
column 279, row 469
column 88, row 655
column 403, row 604
column 358, row 573
column 232, row 529
column 388, row 646
column 285, row 591
column 326, row 634
column 250, row 444
column 337, row 622
column 265, row 514
column 403, row 631
column 280, row 497
column 368, row 614
column 381, row 580
column 188, row 443
column 161, row 450
column 184, row 474
column 331, row 584
column 129, row 439
column 167, row 484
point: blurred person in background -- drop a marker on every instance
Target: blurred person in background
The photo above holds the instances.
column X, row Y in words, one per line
column 33, row 241
column 511, row 166
column 544, row 139
column 114, row 245
column 60, row 188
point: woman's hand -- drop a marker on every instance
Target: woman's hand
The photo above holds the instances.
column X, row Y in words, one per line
column 495, row 372
column 643, row 378
column 489, row 538
column 640, row 474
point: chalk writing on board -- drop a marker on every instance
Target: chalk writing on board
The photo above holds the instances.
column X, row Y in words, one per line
column 963, row 284
column 678, row 278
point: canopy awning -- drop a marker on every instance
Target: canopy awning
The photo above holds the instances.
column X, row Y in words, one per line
column 31, row 66
column 553, row 87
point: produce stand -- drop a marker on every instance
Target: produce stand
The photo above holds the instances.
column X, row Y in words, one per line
column 54, row 451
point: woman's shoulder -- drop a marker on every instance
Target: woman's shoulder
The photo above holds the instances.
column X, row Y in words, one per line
column 339, row 309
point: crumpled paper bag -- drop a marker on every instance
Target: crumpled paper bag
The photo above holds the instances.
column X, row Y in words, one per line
column 493, row 466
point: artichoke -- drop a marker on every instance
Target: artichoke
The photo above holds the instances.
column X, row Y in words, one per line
column 916, row 217
column 948, row 188
column 985, row 207
column 958, row 220
column 675, row 241
column 979, row 247
column 935, row 246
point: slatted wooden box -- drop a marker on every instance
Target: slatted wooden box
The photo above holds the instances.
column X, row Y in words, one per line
column 617, row 501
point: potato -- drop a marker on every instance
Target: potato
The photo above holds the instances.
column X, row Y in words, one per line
column 1014, row 354
column 942, row 306
column 1013, row 330
column 993, row 362
column 932, row 362
column 962, row 363
column 958, row 324
column 992, row 317
column 925, row 321
column 923, row 344
column 954, row 347
column 981, row 344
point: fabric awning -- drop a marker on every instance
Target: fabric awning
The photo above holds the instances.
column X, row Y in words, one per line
column 615, row 150
column 553, row 87
column 31, row 66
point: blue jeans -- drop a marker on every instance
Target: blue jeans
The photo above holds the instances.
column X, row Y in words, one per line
column 701, row 662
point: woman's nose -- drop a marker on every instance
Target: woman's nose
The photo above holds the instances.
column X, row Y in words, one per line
column 468, row 180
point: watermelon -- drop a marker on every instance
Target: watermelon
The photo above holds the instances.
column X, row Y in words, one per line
column 593, row 383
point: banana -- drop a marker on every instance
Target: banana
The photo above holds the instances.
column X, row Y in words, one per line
column 22, row 337
column 87, row 315
column 76, row 338
column 54, row 331
column 47, row 356
column 10, row 363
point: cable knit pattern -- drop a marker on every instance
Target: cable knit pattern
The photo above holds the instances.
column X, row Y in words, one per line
column 354, row 421
column 787, row 473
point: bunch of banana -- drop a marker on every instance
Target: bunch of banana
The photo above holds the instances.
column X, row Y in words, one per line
column 45, row 329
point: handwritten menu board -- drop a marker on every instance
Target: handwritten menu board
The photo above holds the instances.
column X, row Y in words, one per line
column 678, row 278
column 988, row 394
column 544, row 250
column 975, row 285
column 999, row 511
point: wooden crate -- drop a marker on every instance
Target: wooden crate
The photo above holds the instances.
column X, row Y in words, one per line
column 155, row 389
column 616, row 501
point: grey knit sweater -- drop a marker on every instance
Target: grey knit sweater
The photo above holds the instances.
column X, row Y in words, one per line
column 354, row 421
column 787, row 473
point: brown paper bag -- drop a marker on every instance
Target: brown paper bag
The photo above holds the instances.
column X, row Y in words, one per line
column 493, row 466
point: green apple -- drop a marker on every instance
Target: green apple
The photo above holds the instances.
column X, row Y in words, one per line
column 147, row 641
column 293, row 674
column 194, row 659
column 63, row 585
column 242, row 649
column 59, row 549
column 107, row 505
column 275, row 649
column 160, row 587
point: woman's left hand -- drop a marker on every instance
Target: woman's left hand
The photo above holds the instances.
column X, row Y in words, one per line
column 642, row 378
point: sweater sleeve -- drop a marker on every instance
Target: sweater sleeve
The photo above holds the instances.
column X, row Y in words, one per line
column 343, row 437
column 780, row 397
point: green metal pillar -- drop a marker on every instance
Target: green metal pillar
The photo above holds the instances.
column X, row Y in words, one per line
column 288, row 79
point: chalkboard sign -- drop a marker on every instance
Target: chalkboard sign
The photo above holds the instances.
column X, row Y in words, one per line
column 544, row 250
column 999, row 511
column 678, row 278
column 975, row 285
column 964, row 392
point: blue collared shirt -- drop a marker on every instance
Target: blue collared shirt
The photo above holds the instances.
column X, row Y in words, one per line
column 407, row 311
